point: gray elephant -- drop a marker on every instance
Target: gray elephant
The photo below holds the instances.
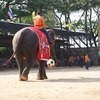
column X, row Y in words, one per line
column 25, row 47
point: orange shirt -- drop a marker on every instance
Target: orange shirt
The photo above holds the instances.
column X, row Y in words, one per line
column 87, row 58
column 39, row 22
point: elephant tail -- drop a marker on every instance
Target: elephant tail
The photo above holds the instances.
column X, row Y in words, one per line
column 6, row 62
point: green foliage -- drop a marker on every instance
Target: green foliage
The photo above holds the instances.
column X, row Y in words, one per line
column 50, row 19
column 23, row 10
column 2, row 49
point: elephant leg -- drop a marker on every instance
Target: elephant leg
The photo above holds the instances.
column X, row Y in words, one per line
column 20, row 62
column 26, row 70
column 44, row 74
column 41, row 73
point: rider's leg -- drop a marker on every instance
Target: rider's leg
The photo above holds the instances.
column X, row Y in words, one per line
column 48, row 37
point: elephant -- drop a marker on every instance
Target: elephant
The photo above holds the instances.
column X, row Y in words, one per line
column 25, row 46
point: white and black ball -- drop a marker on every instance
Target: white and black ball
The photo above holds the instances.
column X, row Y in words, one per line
column 51, row 63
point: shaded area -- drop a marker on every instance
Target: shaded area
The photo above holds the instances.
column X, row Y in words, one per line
column 75, row 80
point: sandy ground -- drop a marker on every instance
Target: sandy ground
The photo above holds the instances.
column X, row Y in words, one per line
column 63, row 84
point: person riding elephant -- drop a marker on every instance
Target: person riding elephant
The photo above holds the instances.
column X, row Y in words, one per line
column 27, row 53
column 39, row 23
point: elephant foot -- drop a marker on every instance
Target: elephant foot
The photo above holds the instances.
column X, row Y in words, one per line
column 42, row 78
column 45, row 77
column 20, row 79
column 23, row 78
column 39, row 78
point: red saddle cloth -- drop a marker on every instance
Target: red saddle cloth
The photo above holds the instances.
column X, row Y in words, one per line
column 44, row 48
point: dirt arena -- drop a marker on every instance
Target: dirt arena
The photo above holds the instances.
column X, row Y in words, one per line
column 63, row 84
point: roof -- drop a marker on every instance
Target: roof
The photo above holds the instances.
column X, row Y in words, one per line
column 70, row 33
column 5, row 27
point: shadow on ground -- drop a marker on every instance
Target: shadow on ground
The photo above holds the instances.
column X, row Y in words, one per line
column 70, row 80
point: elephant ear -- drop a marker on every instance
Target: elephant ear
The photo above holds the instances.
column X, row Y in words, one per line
column 52, row 35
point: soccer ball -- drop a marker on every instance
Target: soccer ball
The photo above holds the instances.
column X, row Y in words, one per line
column 51, row 63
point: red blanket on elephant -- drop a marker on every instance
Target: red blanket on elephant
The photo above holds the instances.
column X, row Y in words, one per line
column 44, row 48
